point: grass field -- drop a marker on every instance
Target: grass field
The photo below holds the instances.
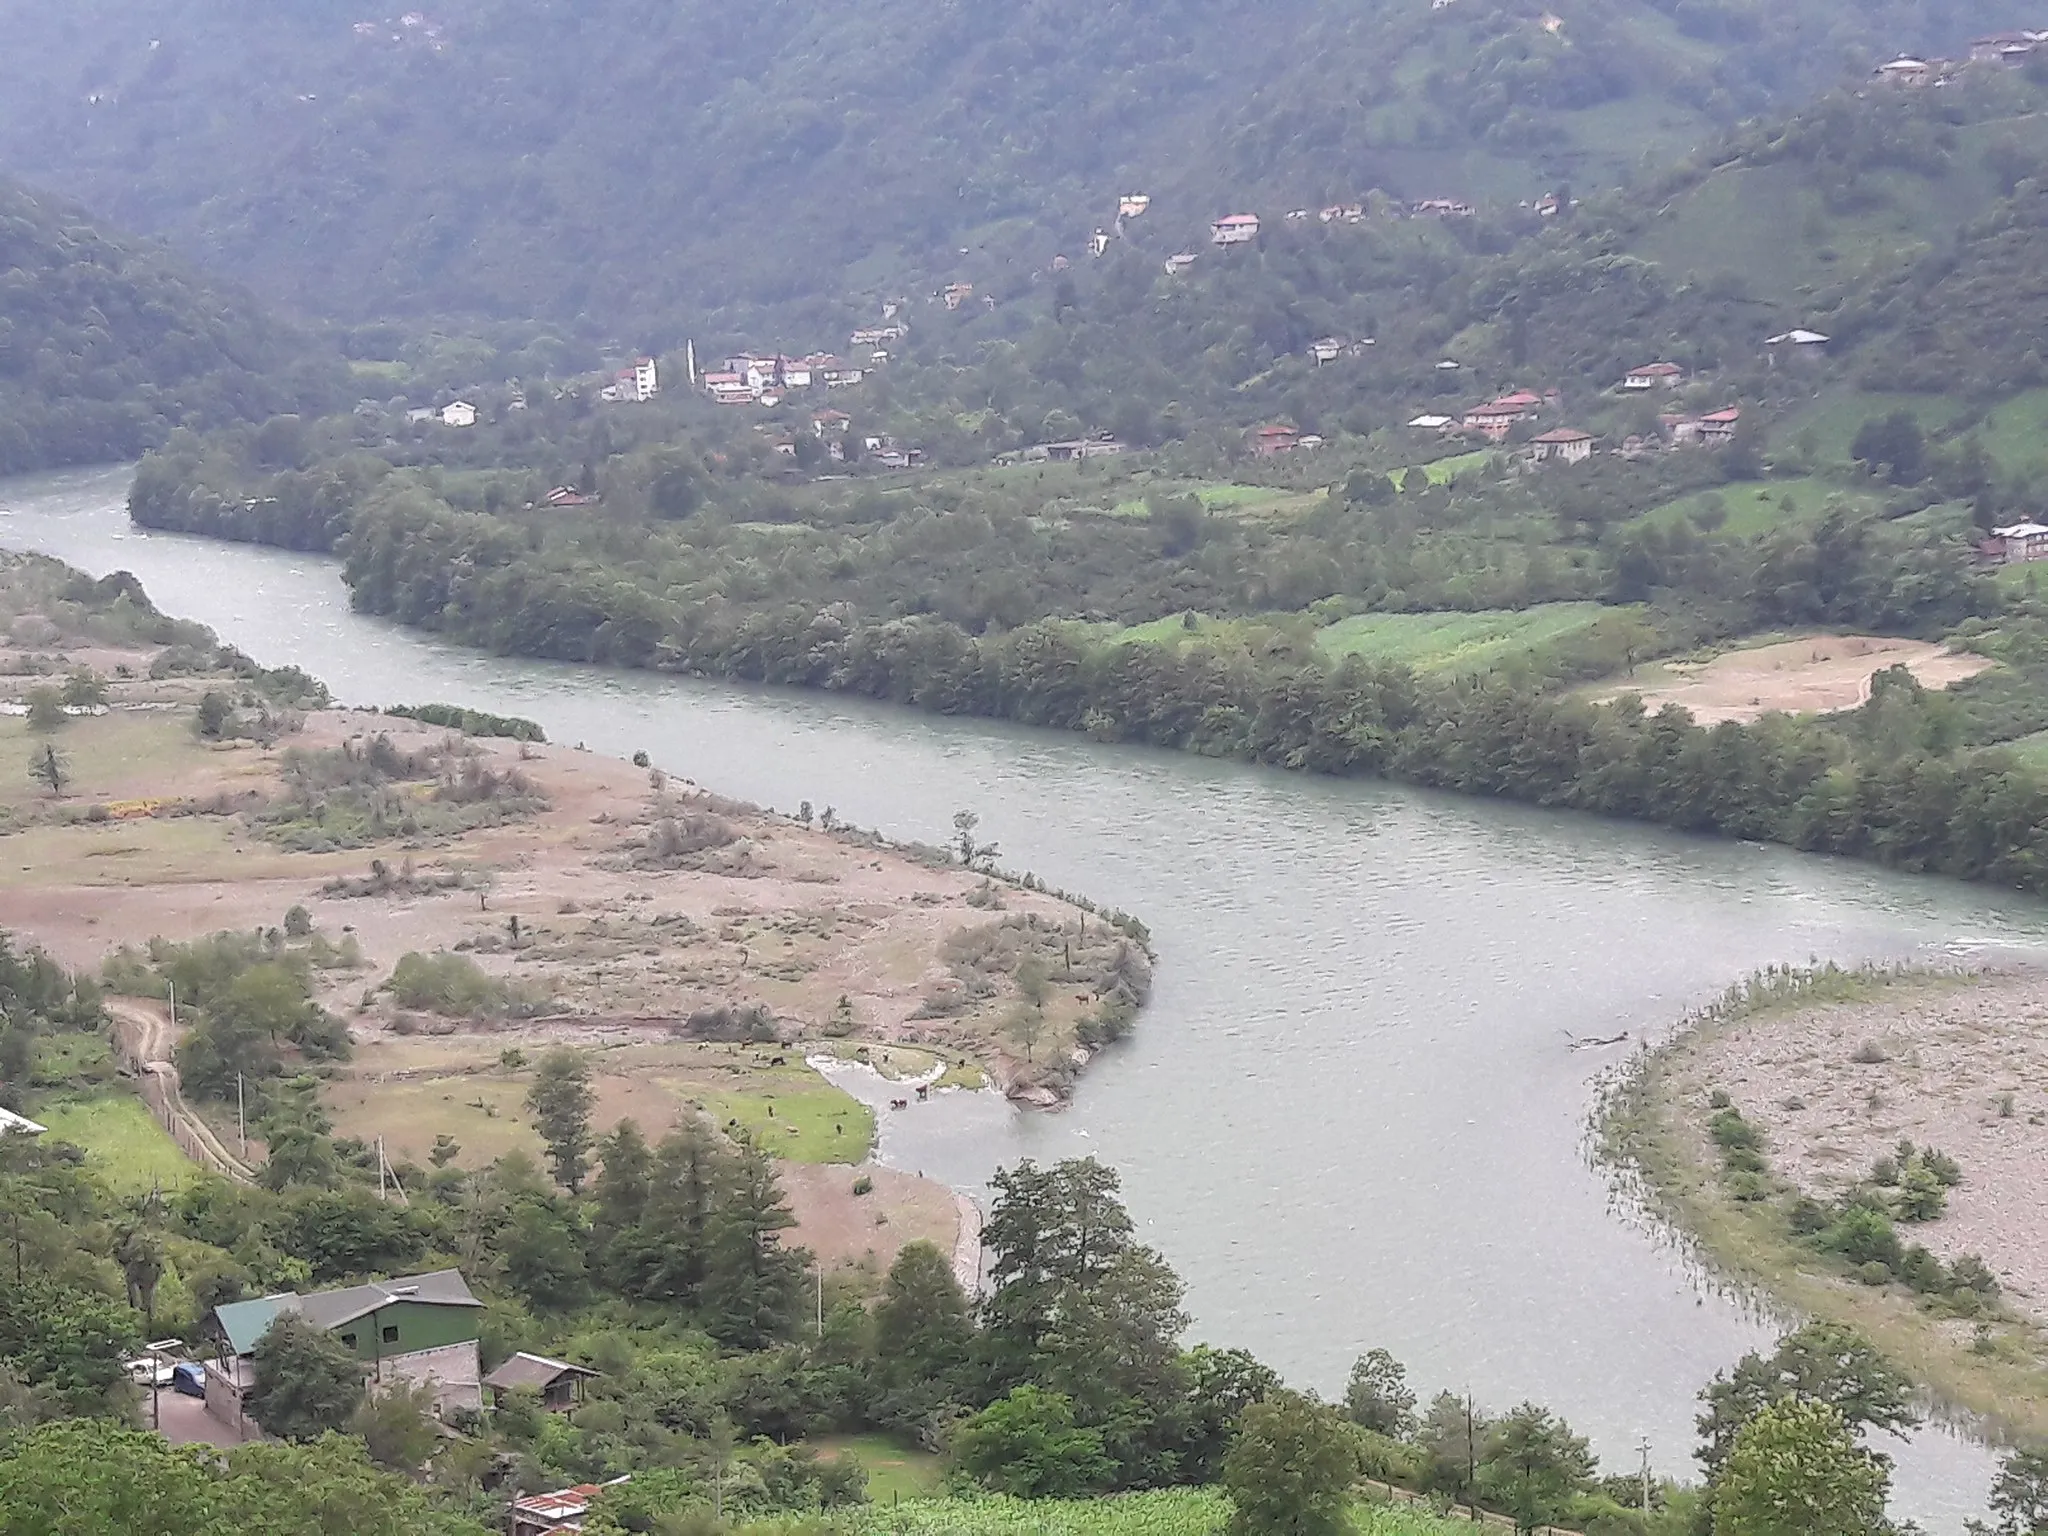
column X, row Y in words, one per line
column 895, row 1471
column 1178, row 1512
column 1224, row 498
column 803, row 1122
column 123, row 1143
column 408, row 1091
column 2032, row 750
column 1752, row 507
column 1456, row 642
column 1444, row 471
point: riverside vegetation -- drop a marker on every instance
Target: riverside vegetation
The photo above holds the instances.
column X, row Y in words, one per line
column 1143, row 604
column 1783, row 1200
column 722, row 1378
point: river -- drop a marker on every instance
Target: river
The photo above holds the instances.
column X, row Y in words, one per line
column 1349, row 1117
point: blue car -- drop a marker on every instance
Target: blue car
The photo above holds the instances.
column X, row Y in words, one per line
column 189, row 1379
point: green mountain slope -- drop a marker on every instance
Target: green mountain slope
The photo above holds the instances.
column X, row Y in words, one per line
column 1902, row 224
column 635, row 163
column 106, row 344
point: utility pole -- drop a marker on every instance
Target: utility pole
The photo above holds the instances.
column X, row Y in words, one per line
column 821, row 1300
column 1643, row 1447
column 242, row 1116
column 1471, row 1461
column 380, row 1167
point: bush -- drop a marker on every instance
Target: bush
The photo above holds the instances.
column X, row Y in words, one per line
column 1870, row 1054
column 455, row 986
column 1863, row 1236
column 1924, row 1272
column 1806, row 1216
column 1731, row 1132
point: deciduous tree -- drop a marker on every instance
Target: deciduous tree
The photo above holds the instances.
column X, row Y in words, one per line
column 1290, row 1469
column 1028, row 1445
column 306, row 1382
column 1794, row 1469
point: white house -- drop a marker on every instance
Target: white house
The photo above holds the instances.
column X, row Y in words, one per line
column 421, row 413
column 1132, row 204
column 458, row 413
column 2023, row 542
column 1431, row 422
column 1795, row 346
column 12, row 1124
column 1328, row 350
column 1179, row 263
column 1654, row 376
column 1234, row 229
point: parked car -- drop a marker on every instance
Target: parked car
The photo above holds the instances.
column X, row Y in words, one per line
column 149, row 1371
column 189, row 1379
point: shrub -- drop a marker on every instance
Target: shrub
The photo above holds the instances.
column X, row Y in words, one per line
column 1870, row 1054
column 1863, row 1236
column 674, row 839
column 298, row 923
column 1970, row 1273
column 1923, row 1271
column 1719, row 1099
column 1730, row 1131
column 457, row 987
column 1806, row 1216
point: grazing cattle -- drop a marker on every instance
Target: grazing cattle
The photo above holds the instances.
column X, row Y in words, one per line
column 923, row 1092
column 776, row 1061
column 899, row 1103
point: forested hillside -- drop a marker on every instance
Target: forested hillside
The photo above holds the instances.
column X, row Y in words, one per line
column 635, row 164
column 106, row 344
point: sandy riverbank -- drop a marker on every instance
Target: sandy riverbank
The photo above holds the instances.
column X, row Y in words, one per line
column 694, row 943
column 1834, row 1077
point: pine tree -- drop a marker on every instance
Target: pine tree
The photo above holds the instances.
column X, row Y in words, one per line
column 753, row 1286
column 561, row 1100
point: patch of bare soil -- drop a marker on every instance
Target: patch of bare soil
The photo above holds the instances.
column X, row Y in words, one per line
column 866, row 1230
column 1817, row 675
column 622, row 908
column 1962, row 1067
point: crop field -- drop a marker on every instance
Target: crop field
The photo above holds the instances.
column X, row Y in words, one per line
column 1177, row 1512
column 1457, row 642
column 123, row 1143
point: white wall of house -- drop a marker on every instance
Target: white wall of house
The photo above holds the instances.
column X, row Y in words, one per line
column 454, row 1370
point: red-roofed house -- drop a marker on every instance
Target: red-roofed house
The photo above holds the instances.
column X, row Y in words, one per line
column 1493, row 419
column 1269, row 440
column 1234, row 229
column 1566, row 444
column 1719, row 426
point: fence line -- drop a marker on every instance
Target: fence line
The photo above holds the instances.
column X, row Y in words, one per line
column 158, row 1083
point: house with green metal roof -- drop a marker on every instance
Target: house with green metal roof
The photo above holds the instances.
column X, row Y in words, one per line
column 420, row 1329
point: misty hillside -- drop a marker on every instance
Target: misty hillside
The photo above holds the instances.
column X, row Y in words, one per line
column 107, row 343
column 636, row 164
